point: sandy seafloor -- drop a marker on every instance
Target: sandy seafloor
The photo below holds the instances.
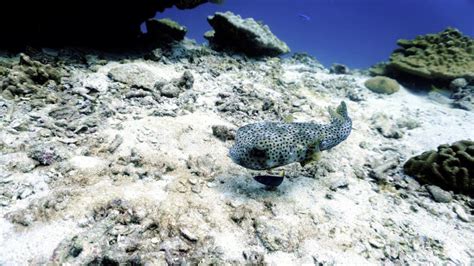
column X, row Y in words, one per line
column 168, row 193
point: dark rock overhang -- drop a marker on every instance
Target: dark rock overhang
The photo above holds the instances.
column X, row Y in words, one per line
column 94, row 23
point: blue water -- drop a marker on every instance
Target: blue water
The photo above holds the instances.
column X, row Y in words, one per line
column 357, row 33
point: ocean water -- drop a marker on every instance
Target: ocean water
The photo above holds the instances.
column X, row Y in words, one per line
column 358, row 33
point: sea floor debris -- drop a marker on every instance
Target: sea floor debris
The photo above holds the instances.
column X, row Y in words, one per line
column 108, row 168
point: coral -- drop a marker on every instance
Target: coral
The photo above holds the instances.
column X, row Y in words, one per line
column 165, row 30
column 450, row 167
column 176, row 86
column 443, row 56
column 243, row 35
column 122, row 232
column 47, row 153
column 339, row 69
column 134, row 76
column 382, row 85
column 28, row 76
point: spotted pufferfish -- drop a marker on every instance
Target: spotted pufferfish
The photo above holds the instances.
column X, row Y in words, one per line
column 267, row 145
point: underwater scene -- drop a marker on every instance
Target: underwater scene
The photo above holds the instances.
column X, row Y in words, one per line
column 237, row 132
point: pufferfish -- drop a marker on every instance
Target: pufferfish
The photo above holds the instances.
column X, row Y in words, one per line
column 267, row 145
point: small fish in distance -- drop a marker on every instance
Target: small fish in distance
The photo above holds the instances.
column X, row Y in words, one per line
column 304, row 17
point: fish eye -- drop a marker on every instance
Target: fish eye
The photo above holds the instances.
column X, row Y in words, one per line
column 259, row 153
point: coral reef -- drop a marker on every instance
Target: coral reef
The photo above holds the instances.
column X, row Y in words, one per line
column 437, row 57
column 382, row 85
column 243, row 35
column 450, row 167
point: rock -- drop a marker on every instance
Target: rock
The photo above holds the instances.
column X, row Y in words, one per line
column 439, row 98
column 381, row 167
column 17, row 161
column 339, row 69
column 386, row 127
column 458, row 83
column 439, row 195
column 243, row 35
column 254, row 257
column 339, row 183
column 165, row 30
column 188, row 234
column 134, row 76
column 88, row 165
column 463, row 98
column 306, row 59
column 46, row 153
column 223, row 133
column 376, row 243
column 202, row 166
column 186, row 81
column 450, row 167
column 275, row 235
column 382, row 85
column 116, row 142
column 408, row 123
column 174, row 88
column 169, row 90
column 462, row 215
column 443, row 56
column 465, row 104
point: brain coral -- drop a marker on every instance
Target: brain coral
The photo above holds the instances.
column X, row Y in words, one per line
column 451, row 167
column 382, row 85
column 443, row 56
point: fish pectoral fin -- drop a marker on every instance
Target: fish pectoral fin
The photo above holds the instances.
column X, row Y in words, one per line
column 313, row 154
column 289, row 119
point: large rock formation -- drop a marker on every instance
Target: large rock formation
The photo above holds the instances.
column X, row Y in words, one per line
column 243, row 35
column 108, row 23
column 435, row 57
column 165, row 30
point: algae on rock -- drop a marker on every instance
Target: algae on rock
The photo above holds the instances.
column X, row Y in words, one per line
column 443, row 56
column 451, row 167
